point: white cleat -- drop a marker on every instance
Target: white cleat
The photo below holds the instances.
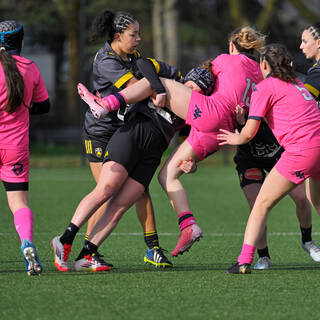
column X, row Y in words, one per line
column 263, row 263
column 61, row 254
column 313, row 250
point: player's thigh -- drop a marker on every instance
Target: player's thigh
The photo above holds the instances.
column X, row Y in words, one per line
column 274, row 188
column 111, row 178
column 313, row 190
column 129, row 193
column 171, row 166
column 298, row 194
column 95, row 168
column 251, row 192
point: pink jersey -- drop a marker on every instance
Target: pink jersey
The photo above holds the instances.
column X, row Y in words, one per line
column 236, row 76
column 291, row 112
column 14, row 127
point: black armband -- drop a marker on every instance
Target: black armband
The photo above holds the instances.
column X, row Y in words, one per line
column 40, row 107
column 148, row 70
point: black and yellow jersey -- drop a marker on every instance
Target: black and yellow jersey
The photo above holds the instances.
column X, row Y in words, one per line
column 312, row 81
column 263, row 146
column 110, row 74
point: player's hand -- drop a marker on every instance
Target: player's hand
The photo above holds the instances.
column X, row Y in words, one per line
column 188, row 166
column 227, row 137
column 240, row 114
column 160, row 100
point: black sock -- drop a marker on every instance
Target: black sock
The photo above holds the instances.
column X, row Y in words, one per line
column 263, row 252
column 69, row 235
column 88, row 248
column 151, row 239
column 306, row 234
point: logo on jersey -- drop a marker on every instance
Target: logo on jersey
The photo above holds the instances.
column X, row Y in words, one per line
column 299, row 174
column 17, row 169
column 197, row 113
column 98, row 152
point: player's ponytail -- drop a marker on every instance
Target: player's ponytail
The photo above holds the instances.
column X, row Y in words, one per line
column 11, row 36
column 107, row 23
column 247, row 39
column 279, row 61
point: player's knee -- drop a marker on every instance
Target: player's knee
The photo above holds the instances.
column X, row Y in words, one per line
column 264, row 204
column 102, row 194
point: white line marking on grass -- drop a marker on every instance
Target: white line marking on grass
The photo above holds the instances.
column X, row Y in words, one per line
column 214, row 234
column 170, row 234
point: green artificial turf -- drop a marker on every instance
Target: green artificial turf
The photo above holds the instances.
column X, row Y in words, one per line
column 196, row 288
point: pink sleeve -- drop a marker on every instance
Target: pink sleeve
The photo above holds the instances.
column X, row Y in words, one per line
column 218, row 63
column 40, row 92
column 260, row 102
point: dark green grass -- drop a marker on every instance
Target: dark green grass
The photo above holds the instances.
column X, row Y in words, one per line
column 196, row 288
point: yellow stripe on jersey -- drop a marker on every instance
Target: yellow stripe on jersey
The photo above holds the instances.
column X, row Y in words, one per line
column 137, row 54
column 156, row 64
column 106, row 154
column 123, row 80
column 88, row 146
column 315, row 92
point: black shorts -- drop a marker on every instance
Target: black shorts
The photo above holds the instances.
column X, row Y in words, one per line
column 253, row 170
column 93, row 148
column 138, row 145
column 16, row 186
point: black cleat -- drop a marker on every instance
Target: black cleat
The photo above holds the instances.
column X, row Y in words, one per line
column 239, row 269
column 99, row 255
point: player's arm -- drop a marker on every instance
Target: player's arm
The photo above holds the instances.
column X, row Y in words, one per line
column 40, row 107
column 247, row 133
column 148, row 70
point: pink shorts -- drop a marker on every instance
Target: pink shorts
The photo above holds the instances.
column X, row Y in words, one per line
column 209, row 114
column 14, row 165
column 203, row 143
column 298, row 166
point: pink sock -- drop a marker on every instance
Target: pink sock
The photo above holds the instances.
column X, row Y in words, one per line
column 23, row 221
column 247, row 254
column 115, row 101
column 186, row 219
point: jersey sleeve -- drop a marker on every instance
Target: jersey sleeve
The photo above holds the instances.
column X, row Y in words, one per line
column 149, row 71
column 312, row 82
column 40, row 92
column 261, row 101
column 165, row 70
column 111, row 71
column 220, row 63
